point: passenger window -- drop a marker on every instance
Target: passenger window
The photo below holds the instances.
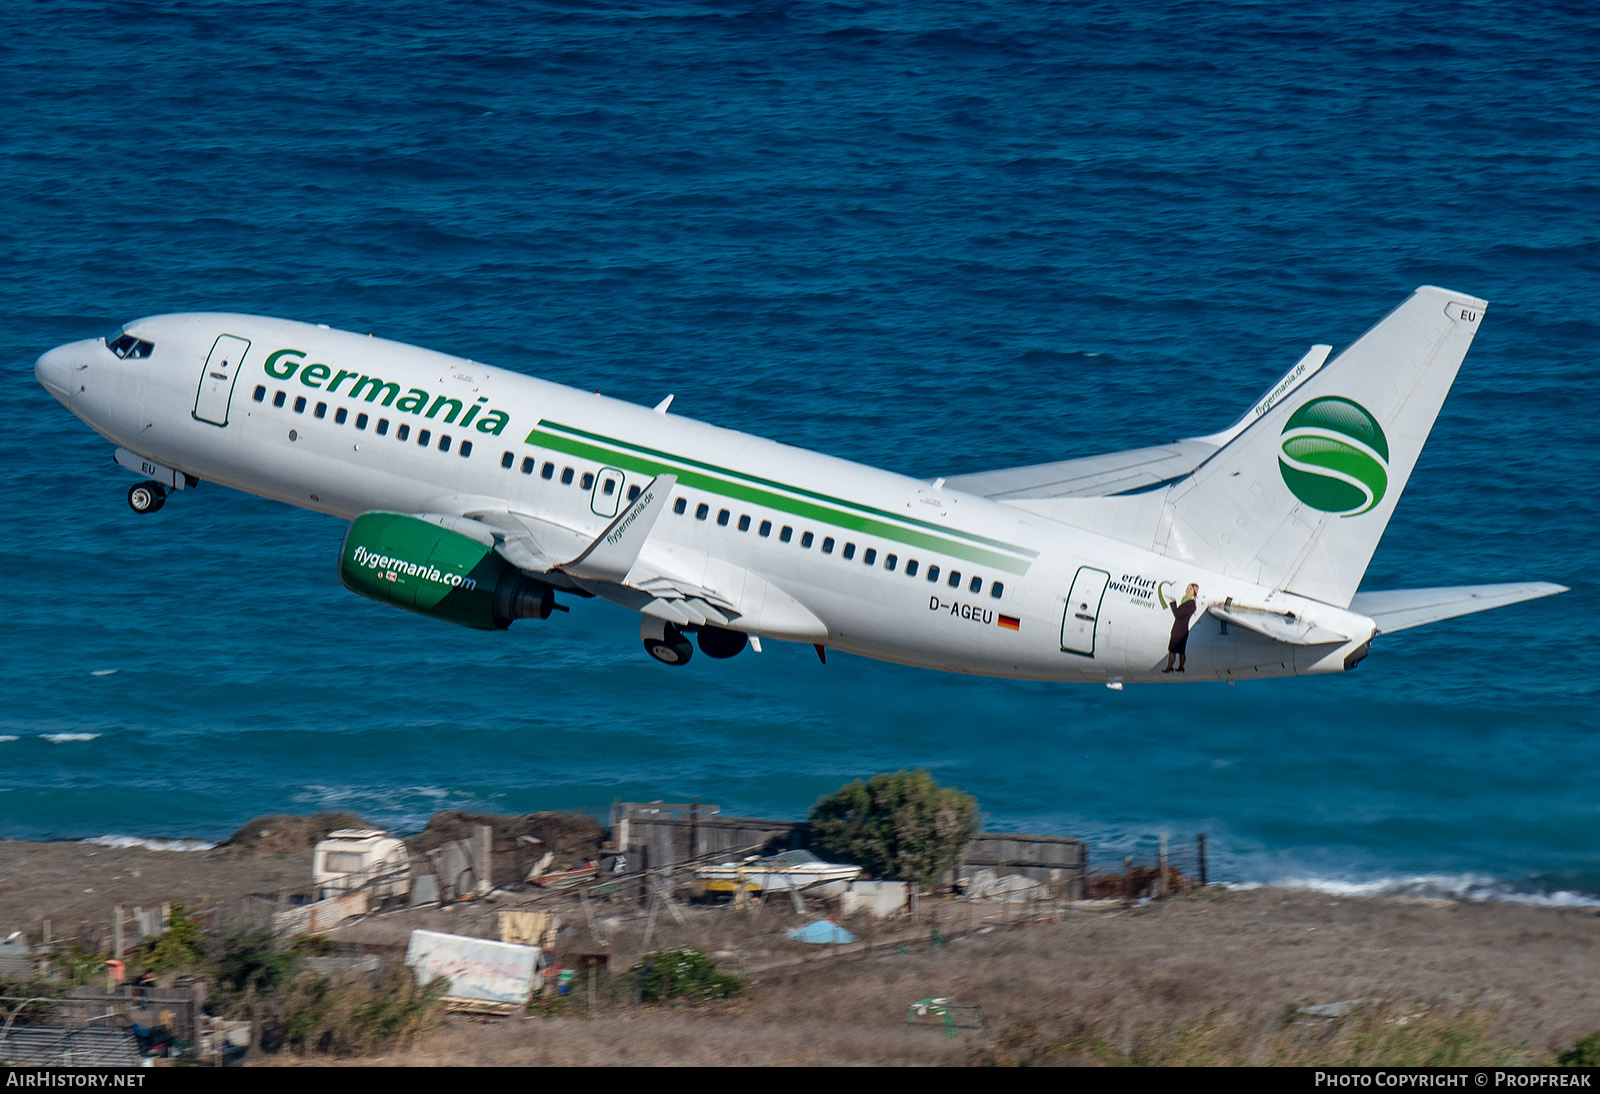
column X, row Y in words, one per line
column 587, row 481
column 361, row 421
column 633, row 493
column 300, row 404
column 404, row 432
column 322, row 410
column 890, row 561
column 849, row 551
column 528, row 463
column 341, row 416
column 722, row 517
column 976, row 586
column 805, row 540
column 444, row 442
column 609, row 488
column 548, row 471
column 765, row 529
column 870, row 556
column 508, row 459
column 786, row 535
column 566, row 476
column 996, row 589
column 424, row 436
column 933, row 573
column 702, row 511
column 261, row 393
column 383, row 426
column 911, row 567
column 955, row 579
column 278, row 399
column 827, row 545
column 466, row 448
column 744, row 522
column 680, row 505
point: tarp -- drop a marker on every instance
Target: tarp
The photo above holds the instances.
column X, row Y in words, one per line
column 527, row 928
column 823, row 930
column 480, row 971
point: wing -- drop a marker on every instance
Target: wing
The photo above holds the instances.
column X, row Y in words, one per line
column 1134, row 469
column 625, row 566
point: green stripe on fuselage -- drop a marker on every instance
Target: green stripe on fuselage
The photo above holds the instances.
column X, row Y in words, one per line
column 825, row 508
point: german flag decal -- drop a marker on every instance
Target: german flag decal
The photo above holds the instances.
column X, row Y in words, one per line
column 1010, row 622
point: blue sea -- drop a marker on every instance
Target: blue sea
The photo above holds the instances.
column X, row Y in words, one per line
column 933, row 236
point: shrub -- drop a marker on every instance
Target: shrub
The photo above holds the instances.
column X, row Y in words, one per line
column 1586, row 1053
column 351, row 1015
column 248, row 965
column 179, row 946
column 683, row 974
column 903, row 826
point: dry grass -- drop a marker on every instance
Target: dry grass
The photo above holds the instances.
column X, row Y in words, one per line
column 1210, row 979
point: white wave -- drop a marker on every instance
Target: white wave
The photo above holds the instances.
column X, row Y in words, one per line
column 105, row 672
column 1473, row 887
column 9, row 737
column 60, row 738
column 151, row 844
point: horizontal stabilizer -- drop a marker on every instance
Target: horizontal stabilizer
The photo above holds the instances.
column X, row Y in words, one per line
column 1400, row 609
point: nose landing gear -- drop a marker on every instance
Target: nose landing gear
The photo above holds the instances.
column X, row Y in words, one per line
column 146, row 497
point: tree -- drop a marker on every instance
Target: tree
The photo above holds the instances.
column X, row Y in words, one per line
column 903, row 826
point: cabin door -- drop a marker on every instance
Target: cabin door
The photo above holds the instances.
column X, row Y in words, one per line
column 216, row 379
column 1082, row 616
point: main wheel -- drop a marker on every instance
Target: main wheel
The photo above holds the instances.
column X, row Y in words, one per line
column 720, row 643
column 146, row 497
column 672, row 648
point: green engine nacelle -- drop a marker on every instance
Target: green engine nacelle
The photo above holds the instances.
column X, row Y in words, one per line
column 398, row 559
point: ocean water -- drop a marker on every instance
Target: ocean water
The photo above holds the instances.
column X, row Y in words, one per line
column 931, row 236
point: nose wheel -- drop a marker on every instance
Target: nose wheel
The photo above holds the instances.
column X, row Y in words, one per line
column 146, row 497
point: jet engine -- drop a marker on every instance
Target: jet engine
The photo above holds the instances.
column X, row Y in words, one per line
column 425, row 567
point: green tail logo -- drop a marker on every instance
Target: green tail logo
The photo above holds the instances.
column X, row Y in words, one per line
column 1334, row 456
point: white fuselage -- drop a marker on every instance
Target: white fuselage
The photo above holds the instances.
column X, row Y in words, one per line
column 812, row 548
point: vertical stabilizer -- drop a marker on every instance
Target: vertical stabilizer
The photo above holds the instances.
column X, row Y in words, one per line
column 1299, row 500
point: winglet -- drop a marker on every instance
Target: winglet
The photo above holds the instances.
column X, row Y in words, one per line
column 611, row 556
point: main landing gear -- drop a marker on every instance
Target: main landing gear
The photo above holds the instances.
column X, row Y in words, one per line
column 146, row 497
column 668, row 644
column 665, row 642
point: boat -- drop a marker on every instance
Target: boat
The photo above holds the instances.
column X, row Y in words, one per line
column 566, row 879
column 799, row 871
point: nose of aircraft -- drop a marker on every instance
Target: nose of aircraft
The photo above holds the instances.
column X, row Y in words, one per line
column 54, row 370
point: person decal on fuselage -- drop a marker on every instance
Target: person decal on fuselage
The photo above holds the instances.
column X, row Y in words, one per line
column 1182, row 612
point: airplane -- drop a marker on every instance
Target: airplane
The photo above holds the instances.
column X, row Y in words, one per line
column 481, row 496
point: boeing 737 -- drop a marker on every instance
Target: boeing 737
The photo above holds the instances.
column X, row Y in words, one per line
column 481, row 496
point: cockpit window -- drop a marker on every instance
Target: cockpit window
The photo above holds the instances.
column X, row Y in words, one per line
column 127, row 347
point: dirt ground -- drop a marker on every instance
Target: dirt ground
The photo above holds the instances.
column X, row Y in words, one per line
column 1114, row 971
column 1242, row 957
